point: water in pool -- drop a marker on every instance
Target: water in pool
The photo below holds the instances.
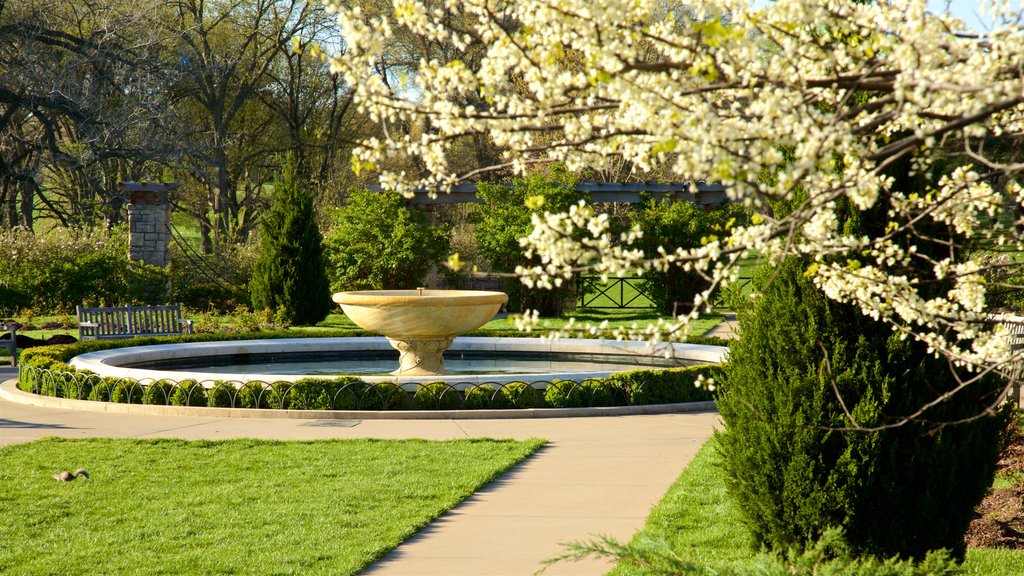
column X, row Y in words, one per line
column 382, row 363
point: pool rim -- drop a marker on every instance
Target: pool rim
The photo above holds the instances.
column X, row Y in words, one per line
column 106, row 362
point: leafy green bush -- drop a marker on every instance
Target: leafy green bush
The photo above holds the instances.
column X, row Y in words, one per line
column 189, row 393
column 505, row 219
column 290, row 274
column 666, row 386
column 126, row 391
column 63, row 268
column 673, row 225
column 436, row 396
column 479, row 397
column 377, row 242
column 794, row 466
column 383, row 396
column 598, row 392
column 158, row 393
column 255, row 395
column 517, row 395
column 221, row 394
column 564, row 394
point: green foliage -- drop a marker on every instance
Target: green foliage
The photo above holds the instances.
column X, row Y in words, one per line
column 257, row 395
column 290, row 273
column 825, row 557
column 221, row 394
column 598, row 392
column 517, row 395
column 63, row 268
column 189, row 393
column 216, row 281
column 158, row 393
column 383, row 396
column 564, row 394
column 479, row 397
column 126, row 391
column 795, row 469
column 377, row 242
column 436, row 396
column 666, row 386
column 673, row 225
column 505, row 219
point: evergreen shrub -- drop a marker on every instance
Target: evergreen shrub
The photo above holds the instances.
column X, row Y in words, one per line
column 290, row 273
column 158, row 393
column 221, row 394
column 794, row 465
column 479, row 397
column 383, row 396
column 126, row 391
column 598, row 392
column 564, row 394
column 436, row 396
column 518, row 395
column 189, row 393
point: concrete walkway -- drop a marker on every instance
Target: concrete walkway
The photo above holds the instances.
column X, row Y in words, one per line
column 727, row 328
column 596, row 476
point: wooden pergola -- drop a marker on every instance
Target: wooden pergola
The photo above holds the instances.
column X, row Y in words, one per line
column 699, row 193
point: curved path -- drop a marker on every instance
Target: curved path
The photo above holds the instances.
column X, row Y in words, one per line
column 596, row 476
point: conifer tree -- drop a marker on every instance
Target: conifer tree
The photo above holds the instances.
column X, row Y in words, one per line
column 290, row 276
column 804, row 372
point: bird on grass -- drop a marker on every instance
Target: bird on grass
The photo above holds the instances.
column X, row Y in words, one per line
column 66, row 476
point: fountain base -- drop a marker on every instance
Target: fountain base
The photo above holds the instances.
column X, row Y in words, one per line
column 420, row 357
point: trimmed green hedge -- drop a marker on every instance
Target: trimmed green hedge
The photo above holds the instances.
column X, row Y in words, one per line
column 46, row 372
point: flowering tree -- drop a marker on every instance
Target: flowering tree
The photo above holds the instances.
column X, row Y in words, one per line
column 814, row 105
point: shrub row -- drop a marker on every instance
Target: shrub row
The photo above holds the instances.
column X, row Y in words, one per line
column 350, row 393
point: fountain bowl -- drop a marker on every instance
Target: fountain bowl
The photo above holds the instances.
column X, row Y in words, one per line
column 421, row 324
column 420, row 314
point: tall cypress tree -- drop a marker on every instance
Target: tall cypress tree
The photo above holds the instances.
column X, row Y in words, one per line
column 290, row 273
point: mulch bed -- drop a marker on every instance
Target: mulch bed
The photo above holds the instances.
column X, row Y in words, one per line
column 999, row 519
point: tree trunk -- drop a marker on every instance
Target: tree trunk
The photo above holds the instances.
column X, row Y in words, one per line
column 27, row 196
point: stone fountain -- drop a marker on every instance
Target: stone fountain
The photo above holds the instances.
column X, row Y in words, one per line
column 421, row 324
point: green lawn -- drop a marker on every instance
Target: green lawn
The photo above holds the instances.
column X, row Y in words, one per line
column 503, row 326
column 340, row 323
column 230, row 507
column 701, row 524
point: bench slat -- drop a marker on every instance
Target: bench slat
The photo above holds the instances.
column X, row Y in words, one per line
column 130, row 321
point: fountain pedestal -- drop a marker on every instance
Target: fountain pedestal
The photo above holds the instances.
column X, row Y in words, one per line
column 420, row 357
column 421, row 324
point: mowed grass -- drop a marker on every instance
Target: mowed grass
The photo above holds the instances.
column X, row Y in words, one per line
column 701, row 524
column 230, row 507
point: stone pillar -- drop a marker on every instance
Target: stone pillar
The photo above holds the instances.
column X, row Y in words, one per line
column 149, row 221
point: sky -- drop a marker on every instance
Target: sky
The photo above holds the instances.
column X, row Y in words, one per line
column 966, row 10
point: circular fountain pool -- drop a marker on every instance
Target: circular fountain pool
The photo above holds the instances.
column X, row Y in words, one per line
column 470, row 360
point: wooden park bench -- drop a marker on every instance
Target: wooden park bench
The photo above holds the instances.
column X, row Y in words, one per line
column 1015, row 326
column 11, row 327
column 131, row 321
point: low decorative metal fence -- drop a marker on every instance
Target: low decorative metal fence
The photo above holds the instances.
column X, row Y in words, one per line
column 351, row 393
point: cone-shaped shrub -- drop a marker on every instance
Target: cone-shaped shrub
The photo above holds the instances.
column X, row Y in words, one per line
column 290, row 274
column 796, row 468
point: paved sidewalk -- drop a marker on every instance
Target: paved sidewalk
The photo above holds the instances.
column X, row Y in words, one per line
column 728, row 328
column 596, row 476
